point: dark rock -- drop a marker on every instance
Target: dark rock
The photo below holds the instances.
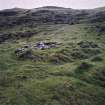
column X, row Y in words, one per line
column 8, row 13
column 19, row 50
column 87, row 44
column 91, row 52
column 18, row 35
column 97, row 58
column 27, row 46
column 4, row 37
column 84, row 65
column 24, row 53
column 78, row 55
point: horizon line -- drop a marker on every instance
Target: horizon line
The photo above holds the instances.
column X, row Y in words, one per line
column 53, row 6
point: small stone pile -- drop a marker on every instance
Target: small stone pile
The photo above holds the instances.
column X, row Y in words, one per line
column 46, row 45
column 26, row 50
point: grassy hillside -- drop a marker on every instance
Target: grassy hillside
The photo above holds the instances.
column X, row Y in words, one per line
column 71, row 74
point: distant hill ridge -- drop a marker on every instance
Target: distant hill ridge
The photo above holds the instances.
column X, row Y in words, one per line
column 50, row 15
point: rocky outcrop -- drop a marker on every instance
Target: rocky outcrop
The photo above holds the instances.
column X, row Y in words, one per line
column 7, row 36
column 87, row 44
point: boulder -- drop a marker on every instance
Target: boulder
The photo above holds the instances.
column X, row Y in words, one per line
column 24, row 53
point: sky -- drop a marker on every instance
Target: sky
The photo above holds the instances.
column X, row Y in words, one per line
column 76, row 4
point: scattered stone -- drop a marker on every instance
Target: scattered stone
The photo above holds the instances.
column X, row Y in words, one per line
column 27, row 53
column 46, row 45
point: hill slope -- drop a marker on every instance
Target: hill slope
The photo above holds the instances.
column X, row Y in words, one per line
column 71, row 73
column 49, row 15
